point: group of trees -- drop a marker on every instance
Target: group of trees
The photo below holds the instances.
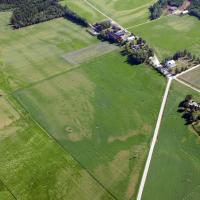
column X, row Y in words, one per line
column 186, row 54
column 140, row 53
column 183, row 54
column 156, row 9
column 191, row 113
column 195, row 8
column 28, row 12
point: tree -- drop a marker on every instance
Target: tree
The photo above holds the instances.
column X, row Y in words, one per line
column 188, row 97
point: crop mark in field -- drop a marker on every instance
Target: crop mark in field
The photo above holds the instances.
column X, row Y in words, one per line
column 86, row 54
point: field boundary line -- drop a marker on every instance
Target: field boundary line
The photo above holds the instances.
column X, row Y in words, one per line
column 65, row 150
column 182, row 73
column 95, row 8
column 8, row 190
column 188, row 85
column 101, row 12
column 148, row 22
column 154, row 140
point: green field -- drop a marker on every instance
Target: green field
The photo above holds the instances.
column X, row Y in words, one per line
column 101, row 113
column 127, row 12
column 5, row 193
column 175, row 168
column 192, row 77
column 34, row 53
column 80, row 7
column 34, row 167
column 171, row 34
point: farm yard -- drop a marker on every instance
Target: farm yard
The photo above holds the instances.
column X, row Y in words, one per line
column 77, row 118
column 91, row 112
column 192, row 77
column 176, row 155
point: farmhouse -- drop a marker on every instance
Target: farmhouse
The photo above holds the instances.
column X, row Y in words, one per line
column 170, row 64
column 194, row 104
column 131, row 38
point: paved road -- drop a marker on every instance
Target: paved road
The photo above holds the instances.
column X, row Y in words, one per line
column 154, row 140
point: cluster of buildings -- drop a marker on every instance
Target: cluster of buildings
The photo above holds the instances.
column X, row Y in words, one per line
column 166, row 68
column 194, row 105
column 112, row 31
column 176, row 10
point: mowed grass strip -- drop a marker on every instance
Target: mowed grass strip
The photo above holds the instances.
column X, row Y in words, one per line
column 34, row 167
column 34, row 53
column 171, row 34
column 104, row 114
column 192, row 77
column 175, row 168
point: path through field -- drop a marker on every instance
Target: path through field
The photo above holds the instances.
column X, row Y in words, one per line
column 154, row 140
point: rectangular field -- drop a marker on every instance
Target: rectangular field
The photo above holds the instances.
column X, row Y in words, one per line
column 170, row 34
column 175, row 168
column 88, row 53
column 34, row 167
column 192, row 77
column 103, row 113
column 33, row 53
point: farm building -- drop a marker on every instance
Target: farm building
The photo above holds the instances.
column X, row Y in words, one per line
column 185, row 12
column 170, row 64
column 131, row 38
column 194, row 104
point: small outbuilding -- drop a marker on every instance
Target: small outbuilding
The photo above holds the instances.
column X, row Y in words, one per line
column 131, row 38
column 185, row 12
column 170, row 64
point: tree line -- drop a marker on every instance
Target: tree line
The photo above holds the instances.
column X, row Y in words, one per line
column 29, row 12
column 195, row 8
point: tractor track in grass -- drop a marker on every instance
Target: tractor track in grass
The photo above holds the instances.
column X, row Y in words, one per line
column 6, row 187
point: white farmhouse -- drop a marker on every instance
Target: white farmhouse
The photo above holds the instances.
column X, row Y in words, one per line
column 170, row 64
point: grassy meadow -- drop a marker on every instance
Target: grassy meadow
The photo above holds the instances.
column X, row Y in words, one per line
column 175, row 168
column 34, row 53
column 192, row 77
column 102, row 114
column 170, row 34
column 127, row 13
column 34, row 167
column 84, row 10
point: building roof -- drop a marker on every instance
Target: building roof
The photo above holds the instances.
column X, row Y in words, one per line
column 170, row 63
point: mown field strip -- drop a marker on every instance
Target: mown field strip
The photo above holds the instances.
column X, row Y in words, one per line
column 188, row 85
column 154, row 140
column 148, row 22
column 95, row 50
